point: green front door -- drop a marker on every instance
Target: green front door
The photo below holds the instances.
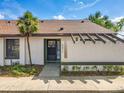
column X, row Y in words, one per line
column 52, row 50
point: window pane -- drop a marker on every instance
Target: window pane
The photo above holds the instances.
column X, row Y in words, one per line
column 51, row 44
column 58, row 50
column 12, row 48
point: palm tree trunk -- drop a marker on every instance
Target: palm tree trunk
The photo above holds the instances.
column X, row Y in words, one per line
column 29, row 51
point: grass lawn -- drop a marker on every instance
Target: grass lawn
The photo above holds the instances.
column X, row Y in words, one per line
column 20, row 71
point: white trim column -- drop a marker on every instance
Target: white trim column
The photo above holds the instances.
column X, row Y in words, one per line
column 22, row 50
column 1, row 51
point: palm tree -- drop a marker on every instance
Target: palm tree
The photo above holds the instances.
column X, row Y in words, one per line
column 28, row 24
column 120, row 24
column 105, row 22
column 101, row 20
column 97, row 14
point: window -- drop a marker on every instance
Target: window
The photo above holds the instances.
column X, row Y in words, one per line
column 12, row 48
column 51, row 44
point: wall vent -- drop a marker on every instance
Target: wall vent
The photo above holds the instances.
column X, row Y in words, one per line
column 41, row 21
column 82, row 21
column 61, row 28
column 8, row 21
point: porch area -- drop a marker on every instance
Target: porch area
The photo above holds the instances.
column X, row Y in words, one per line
column 50, row 70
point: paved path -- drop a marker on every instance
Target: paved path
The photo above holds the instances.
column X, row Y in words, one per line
column 50, row 70
column 70, row 84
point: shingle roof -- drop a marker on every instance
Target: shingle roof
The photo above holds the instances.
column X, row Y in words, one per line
column 55, row 26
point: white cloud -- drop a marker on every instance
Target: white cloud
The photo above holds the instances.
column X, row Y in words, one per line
column 11, row 9
column 59, row 17
column 117, row 19
column 2, row 16
column 79, row 5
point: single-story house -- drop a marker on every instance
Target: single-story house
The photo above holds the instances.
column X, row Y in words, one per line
column 62, row 41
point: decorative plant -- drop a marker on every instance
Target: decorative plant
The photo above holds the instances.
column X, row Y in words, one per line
column 121, row 68
column 109, row 68
column 65, row 68
column 104, row 68
column 118, row 68
column 85, row 68
column 94, row 67
column 76, row 68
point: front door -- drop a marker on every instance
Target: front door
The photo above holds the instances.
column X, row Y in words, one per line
column 53, row 50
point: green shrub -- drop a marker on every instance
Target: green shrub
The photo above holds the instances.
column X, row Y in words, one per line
column 86, row 68
column 94, row 67
column 76, row 68
column 19, row 70
column 65, row 68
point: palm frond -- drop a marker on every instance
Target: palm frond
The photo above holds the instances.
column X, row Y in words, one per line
column 28, row 23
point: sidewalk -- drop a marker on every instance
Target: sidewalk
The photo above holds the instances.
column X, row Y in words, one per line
column 96, row 84
column 50, row 70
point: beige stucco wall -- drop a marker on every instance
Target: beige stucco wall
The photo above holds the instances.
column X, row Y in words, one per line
column 90, row 52
column 78, row 52
column 37, row 50
column 22, row 51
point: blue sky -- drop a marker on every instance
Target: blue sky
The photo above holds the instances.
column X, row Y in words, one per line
column 61, row 9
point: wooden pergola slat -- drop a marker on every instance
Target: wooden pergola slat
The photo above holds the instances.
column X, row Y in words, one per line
column 72, row 37
column 90, row 38
column 117, row 38
column 109, row 38
column 100, row 38
column 81, row 38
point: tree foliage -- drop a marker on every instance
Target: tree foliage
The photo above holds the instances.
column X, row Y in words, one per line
column 120, row 24
column 106, row 22
column 28, row 24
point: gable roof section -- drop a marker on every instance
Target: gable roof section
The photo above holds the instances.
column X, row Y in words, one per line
column 55, row 27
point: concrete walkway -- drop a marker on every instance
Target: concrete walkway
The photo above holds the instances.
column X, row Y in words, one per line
column 50, row 70
column 94, row 84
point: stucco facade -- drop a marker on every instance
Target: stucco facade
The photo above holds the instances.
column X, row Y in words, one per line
column 70, row 52
column 90, row 52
